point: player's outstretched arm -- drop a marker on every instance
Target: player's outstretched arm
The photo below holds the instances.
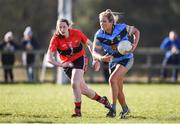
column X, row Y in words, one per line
column 51, row 59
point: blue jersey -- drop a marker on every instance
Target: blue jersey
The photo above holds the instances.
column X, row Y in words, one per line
column 108, row 42
column 167, row 44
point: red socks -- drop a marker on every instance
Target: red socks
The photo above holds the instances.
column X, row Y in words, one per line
column 99, row 98
column 77, row 107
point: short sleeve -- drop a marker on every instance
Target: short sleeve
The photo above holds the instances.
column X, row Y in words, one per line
column 96, row 43
column 53, row 44
column 82, row 36
column 130, row 29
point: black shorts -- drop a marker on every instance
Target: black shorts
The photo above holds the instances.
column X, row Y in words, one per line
column 80, row 63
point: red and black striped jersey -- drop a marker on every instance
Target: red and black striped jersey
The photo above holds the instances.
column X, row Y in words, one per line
column 70, row 48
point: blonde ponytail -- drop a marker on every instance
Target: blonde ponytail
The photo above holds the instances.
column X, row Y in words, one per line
column 112, row 16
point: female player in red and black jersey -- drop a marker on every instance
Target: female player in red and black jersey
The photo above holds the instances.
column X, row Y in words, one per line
column 68, row 43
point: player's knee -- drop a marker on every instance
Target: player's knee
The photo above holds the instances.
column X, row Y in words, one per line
column 74, row 85
column 112, row 80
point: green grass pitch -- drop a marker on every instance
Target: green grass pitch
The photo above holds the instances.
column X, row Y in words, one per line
column 48, row 103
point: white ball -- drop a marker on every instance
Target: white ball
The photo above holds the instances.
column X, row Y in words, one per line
column 124, row 47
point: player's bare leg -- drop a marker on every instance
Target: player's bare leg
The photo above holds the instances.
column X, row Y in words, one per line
column 75, row 83
column 121, row 97
column 116, row 82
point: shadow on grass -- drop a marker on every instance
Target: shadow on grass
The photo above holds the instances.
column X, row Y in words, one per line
column 128, row 117
column 134, row 117
column 31, row 116
column 5, row 114
column 137, row 117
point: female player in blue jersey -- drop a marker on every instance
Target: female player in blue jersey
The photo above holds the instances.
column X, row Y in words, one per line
column 105, row 49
